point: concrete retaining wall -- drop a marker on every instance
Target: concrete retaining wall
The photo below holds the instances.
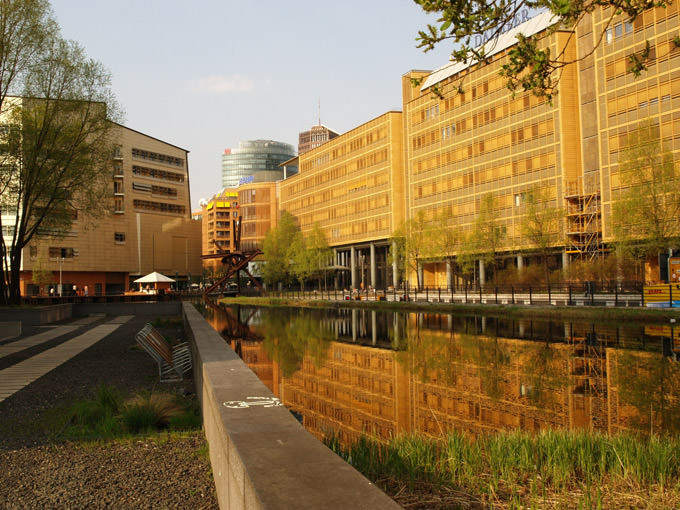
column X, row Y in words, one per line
column 262, row 458
column 154, row 308
column 36, row 316
column 9, row 329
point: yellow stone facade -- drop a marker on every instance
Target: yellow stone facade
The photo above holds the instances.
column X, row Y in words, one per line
column 353, row 187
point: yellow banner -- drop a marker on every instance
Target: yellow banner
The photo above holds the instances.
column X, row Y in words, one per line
column 661, row 295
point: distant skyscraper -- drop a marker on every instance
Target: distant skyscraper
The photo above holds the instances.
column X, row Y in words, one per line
column 314, row 137
column 256, row 161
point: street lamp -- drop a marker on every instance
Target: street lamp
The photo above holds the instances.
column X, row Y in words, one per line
column 61, row 261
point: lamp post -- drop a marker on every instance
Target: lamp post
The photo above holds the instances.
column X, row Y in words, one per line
column 61, row 261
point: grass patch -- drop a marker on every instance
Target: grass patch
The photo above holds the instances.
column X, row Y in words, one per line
column 554, row 469
column 108, row 415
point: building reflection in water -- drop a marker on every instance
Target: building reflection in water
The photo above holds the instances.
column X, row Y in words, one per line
column 357, row 371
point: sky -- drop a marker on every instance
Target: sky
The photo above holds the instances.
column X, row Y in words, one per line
column 206, row 74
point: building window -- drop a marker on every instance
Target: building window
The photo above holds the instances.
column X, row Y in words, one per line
column 119, row 237
column 158, row 158
column 64, row 253
column 159, row 206
column 118, row 205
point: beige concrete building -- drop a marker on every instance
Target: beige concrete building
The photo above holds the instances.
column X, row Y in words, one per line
column 148, row 229
column 353, row 187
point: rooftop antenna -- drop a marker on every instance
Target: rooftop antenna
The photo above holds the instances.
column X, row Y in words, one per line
column 319, row 110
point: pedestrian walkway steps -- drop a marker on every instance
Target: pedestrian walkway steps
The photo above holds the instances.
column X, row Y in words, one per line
column 17, row 376
column 32, row 341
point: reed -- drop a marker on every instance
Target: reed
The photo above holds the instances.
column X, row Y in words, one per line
column 519, row 470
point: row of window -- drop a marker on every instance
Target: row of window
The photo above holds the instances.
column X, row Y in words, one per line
column 154, row 173
column 159, row 206
column 56, row 252
column 156, row 190
column 657, row 53
column 335, row 173
column 158, row 157
column 479, row 119
column 340, row 151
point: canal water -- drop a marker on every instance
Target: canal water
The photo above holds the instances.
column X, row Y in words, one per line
column 352, row 371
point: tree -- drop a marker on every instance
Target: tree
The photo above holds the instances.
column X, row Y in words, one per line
column 542, row 224
column 530, row 67
column 446, row 238
column 278, row 248
column 58, row 145
column 411, row 243
column 320, row 253
column 646, row 215
column 488, row 233
column 41, row 275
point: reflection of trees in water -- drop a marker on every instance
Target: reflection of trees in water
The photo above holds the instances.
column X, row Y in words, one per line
column 649, row 390
column 545, row 368
column 499, row 365
column 429, row 355
column 290, row 336
column 491, row 359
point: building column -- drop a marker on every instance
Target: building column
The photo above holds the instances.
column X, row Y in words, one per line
column 373, row 266
column 353, row 266
column 421, row 274
column 449, row 274
column 395, row 267
column 520, row 262
column 482, row 273
column 374, row 327
column 565, row 260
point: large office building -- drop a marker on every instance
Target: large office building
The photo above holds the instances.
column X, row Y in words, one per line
column 450, row 150
column 463, row 146
column 256, row 161
column 149, row 228
column 352, row 186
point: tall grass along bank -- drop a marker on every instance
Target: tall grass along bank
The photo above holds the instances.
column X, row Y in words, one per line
column 553, row 469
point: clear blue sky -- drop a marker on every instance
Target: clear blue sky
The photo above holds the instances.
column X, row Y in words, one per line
column 206, row 74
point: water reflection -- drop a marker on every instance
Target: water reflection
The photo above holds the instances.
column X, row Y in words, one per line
column 354, row 371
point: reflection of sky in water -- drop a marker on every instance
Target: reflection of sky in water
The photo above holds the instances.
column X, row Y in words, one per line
column 386, row 373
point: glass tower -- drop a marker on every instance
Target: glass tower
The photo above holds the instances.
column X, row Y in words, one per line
column 256, row 161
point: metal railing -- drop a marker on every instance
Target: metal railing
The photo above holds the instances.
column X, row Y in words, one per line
column 558, row 294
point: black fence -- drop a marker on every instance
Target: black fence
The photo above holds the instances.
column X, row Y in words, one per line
column 615, row 293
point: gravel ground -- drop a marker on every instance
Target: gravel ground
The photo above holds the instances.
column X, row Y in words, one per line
column 39, row 471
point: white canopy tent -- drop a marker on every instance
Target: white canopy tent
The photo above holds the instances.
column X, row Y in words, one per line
column 157, row 280
column 154, row 278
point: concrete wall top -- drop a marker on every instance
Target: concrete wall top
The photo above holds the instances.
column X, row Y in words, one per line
column 36, row 316
column 261, row 456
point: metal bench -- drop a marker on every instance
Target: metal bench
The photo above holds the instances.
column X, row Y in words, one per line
column 173, row 361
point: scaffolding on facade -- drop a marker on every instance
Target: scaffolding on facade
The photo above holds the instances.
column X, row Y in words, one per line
column 584, row 218
column 588, row 371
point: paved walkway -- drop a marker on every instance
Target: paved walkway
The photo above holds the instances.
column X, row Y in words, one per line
column 52, row 333
column 17, row 376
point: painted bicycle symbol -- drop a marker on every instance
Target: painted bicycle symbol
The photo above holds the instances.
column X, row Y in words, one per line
column 253, row 401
